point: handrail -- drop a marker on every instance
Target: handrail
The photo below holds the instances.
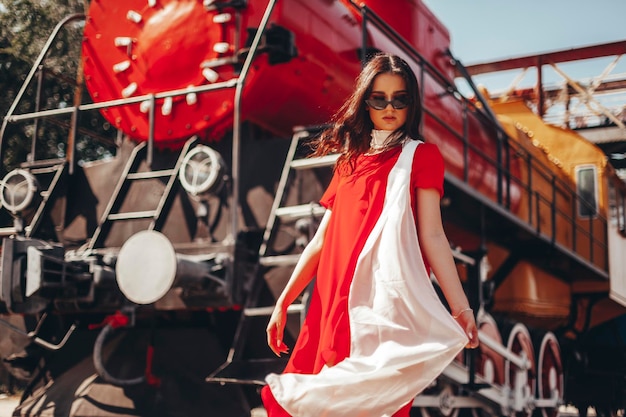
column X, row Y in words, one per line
column 121, row 101
column 33, row 335
column 237, row 111
column 34, row 70
column 237, row 83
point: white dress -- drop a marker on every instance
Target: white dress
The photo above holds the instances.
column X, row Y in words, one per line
column 402, row 337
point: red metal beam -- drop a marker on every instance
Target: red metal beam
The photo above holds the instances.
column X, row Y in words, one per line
column 566, row 55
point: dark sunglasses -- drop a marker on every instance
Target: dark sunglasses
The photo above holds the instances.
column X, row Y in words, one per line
column 380, row 103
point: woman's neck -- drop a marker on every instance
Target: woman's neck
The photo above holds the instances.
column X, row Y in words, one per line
column 382, row 140
column 379, row 139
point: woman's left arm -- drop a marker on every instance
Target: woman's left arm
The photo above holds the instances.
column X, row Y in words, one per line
column 436, row 249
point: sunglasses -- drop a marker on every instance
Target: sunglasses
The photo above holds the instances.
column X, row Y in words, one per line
column 380, row 103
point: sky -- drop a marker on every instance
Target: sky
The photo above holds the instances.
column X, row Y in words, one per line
column 489, row 30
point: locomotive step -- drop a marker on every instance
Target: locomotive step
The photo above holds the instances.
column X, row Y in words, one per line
column 298, row 212
column 252, row 371
column 280, row 260
column 151, row 174
column 132, row 215
column 316, row 162
column 266, row 311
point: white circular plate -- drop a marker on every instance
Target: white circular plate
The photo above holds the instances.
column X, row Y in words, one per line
column 146, row 267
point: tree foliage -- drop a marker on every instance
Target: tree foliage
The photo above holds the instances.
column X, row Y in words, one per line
column 25, row 27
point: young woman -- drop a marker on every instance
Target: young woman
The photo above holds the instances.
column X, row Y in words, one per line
column 376, row 333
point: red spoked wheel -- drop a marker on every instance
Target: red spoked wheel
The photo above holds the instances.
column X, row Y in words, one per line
column 550, row 380
column 520, row 343
column 445, row 391
column 489, row 364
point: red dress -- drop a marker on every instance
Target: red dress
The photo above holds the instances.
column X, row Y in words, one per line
column 356, row 199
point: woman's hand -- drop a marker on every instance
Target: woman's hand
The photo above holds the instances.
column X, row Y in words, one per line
column 276, row 329
column 303, row 273
column 466, row 320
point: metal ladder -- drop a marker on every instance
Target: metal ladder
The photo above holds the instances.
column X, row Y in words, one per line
column 52, row 174
column 236, row 369
column 50, row 178
column 130, row 174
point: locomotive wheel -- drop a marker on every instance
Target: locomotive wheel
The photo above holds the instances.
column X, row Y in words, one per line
column 444, row 390
column 549, row 371
column 519, row 342
column 489, row 365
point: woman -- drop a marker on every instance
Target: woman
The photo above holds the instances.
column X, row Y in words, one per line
column 376, row 333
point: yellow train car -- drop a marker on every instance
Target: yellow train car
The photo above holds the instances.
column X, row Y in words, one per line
column 572, row 197
column 580, row 221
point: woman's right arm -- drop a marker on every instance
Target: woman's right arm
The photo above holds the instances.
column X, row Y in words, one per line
column 303, row 273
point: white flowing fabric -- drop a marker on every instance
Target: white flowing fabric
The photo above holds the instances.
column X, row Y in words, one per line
column 402, row 337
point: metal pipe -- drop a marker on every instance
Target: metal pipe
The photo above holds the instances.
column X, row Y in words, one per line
column 71, row 146
column 151, row 118
column 553, row 211
column 466, row 144
column 540, row 96
column 33, row 144
column 363, row 37
column 237, row 115
column 99, row 364
column 519, row 361
column 121, row 102
column 37, row 340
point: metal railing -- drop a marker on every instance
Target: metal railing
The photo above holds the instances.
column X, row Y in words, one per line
column 73, row 111
column 507, row 148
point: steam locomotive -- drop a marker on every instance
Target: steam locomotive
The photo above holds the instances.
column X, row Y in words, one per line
column 140, row 283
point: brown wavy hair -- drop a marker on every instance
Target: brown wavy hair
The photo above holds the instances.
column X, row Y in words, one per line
column 351, row 126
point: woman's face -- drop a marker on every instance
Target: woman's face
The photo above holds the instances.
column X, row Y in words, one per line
column 388, row 90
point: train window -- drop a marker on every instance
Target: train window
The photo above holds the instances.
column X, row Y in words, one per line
column 617, row 205
column 621, row 213
column 587, row 190
column 621, row 210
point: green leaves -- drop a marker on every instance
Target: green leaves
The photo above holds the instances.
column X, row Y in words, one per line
column 25, row 26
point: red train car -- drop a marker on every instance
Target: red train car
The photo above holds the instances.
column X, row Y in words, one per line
column 143, row 281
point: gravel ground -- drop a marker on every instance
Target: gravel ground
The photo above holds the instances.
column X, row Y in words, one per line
column 8, row 404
